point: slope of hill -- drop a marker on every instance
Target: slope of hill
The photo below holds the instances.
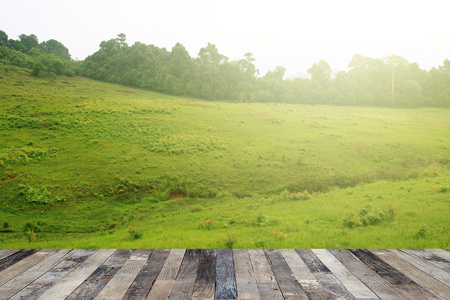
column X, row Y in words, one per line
column 90, row 164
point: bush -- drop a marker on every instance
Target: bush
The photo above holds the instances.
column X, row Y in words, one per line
column 37, row 196
column 230, row 240
column 369, row 215
column 134, row 233
column 206, row 224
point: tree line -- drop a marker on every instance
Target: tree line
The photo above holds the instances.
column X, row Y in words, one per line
column 49, row 57
column 390, row 82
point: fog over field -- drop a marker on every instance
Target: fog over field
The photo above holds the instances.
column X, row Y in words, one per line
column 292, row 34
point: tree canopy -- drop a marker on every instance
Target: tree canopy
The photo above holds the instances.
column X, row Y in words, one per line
column 391, row 81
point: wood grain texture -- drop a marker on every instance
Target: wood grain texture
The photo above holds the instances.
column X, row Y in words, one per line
column 166, row 279
column 375, row 282
column 441, row 253
column 358, row 289
column 289, row 286
column 424, row 266
column 119, row 284
column 90, row 288
column 430, row 283
column 172, row 265
column 204, row 285
column 161, row 289
column 144, row 281
column 225, row 279
column 55, row 274
column 19, row 282
column 183, row 287
column 23, row 265
column 309, row 283
column 403, row 283
column 265, row 279
column 245, row 276
column 15, row 257
column 179, row 274
column 430, row 257
column 6, row 252
column 331, row 284
column 70, row 282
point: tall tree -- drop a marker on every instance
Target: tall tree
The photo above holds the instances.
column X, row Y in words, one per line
column 56, row 48
column 321, row 72
column 29, row 41
column 3, row 38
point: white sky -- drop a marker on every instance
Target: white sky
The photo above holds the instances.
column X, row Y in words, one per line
column 293, row 34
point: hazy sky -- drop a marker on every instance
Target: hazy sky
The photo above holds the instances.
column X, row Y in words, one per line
column 293, row 34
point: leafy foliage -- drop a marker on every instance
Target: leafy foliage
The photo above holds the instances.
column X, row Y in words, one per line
column 392, row 81
column 369, row 215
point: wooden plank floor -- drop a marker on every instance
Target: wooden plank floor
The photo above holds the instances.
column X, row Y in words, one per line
column 224, row 274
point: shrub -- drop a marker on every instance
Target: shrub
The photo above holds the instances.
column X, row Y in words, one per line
column 261, row 244
column 369, row 215
column 196, row 208
column 422, row 232
column 37, row 196
column 30, row 226
column 134, row 233
column 230, row 240
column 206, row 224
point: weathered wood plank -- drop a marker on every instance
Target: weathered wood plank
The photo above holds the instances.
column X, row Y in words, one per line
column 50, row 278
column 265, row 279
column 21, row 281
column 70, row 282
column 358, row 289
column 245, row 276
column 408, row 287
column 331, row 284
column 375, row 282
column 23, row 265
column 225, row 279
column 430, row 257
column 441, row 253
column 289, row 286
column 166, row 279
column 204, row 285
column 146, row 277
column 311, row 286
column 101, row 276
column 119, row 284
column 6, row 252
column 189, row 266
column 182, row 290
column 432, row 284
column 172, row 265
column 15, row 257
column 183, row 287
column 161, row 289
column 425, row 266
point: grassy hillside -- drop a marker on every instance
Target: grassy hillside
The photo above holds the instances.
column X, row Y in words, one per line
column 90, row 164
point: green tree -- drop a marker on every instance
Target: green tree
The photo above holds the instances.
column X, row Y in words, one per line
column 321, row 72
column 3, row 38
column 180, row 62
column 207, row 71
column 29, row 41
column 56, row 48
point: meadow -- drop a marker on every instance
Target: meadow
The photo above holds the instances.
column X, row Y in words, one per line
column 86, row 164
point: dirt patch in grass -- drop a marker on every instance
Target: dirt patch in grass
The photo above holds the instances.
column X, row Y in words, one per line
column 10, row 177
column 176, row 196
column 126, row 91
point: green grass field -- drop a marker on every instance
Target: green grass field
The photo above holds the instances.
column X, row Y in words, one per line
column 93, row 165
